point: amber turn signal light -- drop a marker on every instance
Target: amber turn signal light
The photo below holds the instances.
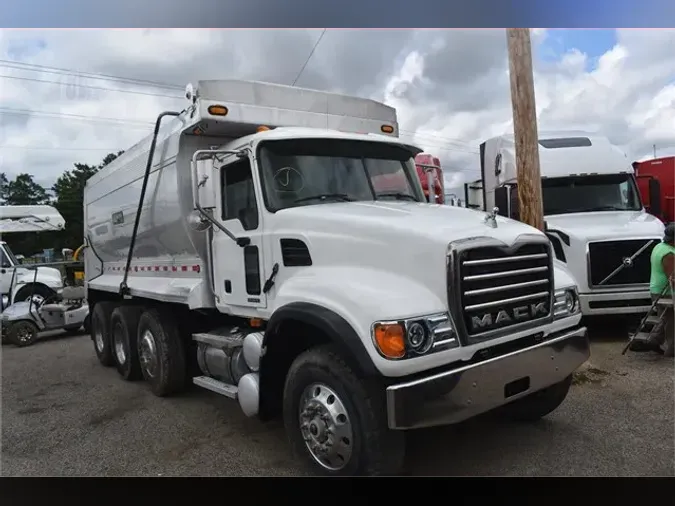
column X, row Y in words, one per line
column 390, row 339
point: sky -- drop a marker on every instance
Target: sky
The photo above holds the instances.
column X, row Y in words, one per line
column 450, row 87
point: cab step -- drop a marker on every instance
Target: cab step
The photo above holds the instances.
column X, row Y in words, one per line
column 665, row 302
column 216, row 386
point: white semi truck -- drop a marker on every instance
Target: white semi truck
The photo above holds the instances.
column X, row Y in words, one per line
column 594, row 216
column 25, row 283
column 249, row 247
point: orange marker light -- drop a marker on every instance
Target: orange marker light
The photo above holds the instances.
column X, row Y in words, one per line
column 218, row 110
column 387, row 129
column 255, row 322
column 390, row 339
column 262, row 128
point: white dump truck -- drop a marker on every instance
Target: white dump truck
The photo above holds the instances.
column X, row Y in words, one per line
column 18, row 283
column 254, row 246
column 594, row 216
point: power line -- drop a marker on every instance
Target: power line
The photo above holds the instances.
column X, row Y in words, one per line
column 78, row 117
column 87, row 86
column 33, row 67
column 50, row 148
column 128, row 80
column 309, row 57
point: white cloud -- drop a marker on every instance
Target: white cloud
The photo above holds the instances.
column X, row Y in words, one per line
column 451, row 87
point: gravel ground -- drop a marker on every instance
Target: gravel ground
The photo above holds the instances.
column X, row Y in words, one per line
column 65, row 415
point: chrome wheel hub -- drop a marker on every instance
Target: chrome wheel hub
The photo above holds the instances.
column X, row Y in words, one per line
column 24, row 335
column 98, row 340
column 148, row 354
column 120, row 352
column 326, row 427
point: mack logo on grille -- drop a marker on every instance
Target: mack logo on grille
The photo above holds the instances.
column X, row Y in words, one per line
column 509, row 316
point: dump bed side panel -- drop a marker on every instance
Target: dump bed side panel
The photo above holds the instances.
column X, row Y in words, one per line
column 169, row 261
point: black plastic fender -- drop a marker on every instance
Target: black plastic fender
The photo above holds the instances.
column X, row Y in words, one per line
column 333, row 325
column 274, row 362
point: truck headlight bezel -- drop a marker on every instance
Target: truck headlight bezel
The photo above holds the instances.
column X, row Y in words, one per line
column 566, row 303
column 414, row 337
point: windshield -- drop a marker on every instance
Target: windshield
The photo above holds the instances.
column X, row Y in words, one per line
column 313, row 171
column 579, row 194
column 10, row 255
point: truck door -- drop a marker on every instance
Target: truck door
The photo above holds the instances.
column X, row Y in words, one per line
column 6, row 270
column 238, row 271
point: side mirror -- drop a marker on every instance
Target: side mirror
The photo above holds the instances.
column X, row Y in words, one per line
column 655, row 197
column 206, row 183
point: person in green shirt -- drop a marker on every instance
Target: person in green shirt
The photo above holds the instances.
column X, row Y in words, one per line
column 661, row 282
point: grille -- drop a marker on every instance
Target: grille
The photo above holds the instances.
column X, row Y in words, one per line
column 500, row 289
column 607, row 256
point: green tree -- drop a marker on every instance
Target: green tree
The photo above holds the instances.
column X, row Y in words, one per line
column 69, row 192
column 23, row 191
column 4, row 186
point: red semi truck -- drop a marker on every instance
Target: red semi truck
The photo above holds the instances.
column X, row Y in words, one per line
column 656, row 182
column 430, row 174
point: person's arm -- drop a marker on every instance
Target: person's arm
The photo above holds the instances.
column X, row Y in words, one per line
column 668, row 263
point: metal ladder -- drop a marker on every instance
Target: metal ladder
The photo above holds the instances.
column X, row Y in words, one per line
column 651, row 320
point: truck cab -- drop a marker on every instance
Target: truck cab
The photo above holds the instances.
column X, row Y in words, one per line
column 431, row 176
column 594, row 215
column 21, row 282
column 656, row 182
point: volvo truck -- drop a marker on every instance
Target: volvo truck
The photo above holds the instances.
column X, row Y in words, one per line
column 594, row 216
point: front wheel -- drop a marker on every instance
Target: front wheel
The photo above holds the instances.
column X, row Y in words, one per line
column 539, row 404
column 23, row 333
column 335, row 421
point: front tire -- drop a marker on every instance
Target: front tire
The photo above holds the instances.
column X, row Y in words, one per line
column 123, row 334
column 161, row 352
column 538, row 404
column 335, row 421
column 22, row 333
column 100, row 332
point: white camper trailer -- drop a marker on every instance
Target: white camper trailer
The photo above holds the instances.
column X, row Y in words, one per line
column 594, row 216
column 247, row 247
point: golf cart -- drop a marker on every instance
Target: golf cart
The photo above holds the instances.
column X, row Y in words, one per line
column 66, row 310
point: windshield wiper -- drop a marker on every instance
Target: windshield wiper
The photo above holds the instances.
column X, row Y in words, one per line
column 397, row 195
column 324, row 196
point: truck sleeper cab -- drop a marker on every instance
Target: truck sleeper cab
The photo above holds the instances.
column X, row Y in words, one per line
column 273, row 264
column 594, row 216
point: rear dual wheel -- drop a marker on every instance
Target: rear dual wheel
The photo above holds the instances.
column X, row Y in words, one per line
column 124, row 341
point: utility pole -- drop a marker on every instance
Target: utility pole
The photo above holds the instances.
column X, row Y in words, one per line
column 654, row 150
column 525, row 127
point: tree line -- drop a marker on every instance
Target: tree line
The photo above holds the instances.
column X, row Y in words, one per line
column 66, row 195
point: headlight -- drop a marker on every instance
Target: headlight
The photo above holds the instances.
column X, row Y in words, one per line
column 413, row 337
column 566, row 303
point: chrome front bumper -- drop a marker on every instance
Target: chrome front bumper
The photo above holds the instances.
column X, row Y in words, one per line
column 615, row 303
column 453, row 396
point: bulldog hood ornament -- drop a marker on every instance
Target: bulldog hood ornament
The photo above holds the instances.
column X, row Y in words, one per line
column 491, row 218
